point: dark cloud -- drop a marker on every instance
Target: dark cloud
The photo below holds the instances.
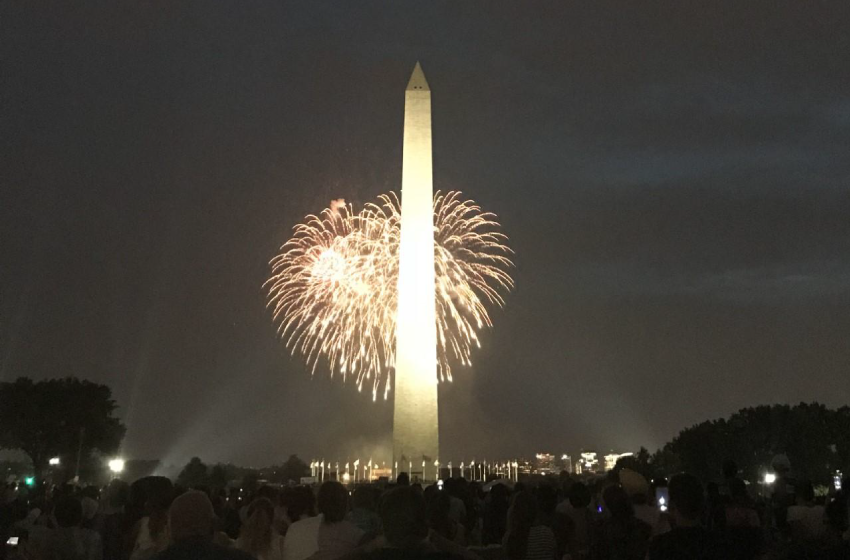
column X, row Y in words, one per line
column 673, row 177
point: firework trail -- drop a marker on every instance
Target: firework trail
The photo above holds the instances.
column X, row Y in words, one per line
column 333, row 288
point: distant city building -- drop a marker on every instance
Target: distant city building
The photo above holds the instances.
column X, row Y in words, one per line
column 524, row 467
column 566, row 463
column 382, row 472
column 589, row 463
column 545, row 464
column 612, row 458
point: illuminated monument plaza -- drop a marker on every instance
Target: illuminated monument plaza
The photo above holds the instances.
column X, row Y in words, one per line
column 415, row 419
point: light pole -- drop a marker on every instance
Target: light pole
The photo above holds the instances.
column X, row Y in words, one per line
column 79, row 454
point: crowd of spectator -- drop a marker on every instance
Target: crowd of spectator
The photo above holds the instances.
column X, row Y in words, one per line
column 622, row 516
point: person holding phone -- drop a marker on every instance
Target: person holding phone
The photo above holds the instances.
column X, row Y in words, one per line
column 688, row 540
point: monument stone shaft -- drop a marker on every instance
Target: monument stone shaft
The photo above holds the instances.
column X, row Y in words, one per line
column 415, row 420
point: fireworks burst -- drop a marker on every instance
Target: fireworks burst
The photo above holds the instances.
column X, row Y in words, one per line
column 334, row 285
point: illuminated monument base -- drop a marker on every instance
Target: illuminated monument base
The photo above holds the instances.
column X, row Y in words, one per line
column 415, row 420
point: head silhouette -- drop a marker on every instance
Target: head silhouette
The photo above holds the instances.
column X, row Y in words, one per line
column 191, row 516
column 403, row 515
column 686, row 496
column 333, row 501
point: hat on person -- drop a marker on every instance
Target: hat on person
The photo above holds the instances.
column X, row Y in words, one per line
column 191, row 515
column 633, row 482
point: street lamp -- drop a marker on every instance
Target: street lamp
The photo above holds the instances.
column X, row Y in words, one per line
column 769, row 478
column 54, row 462
column 116, row 466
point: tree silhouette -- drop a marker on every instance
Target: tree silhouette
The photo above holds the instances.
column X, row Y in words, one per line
column 815, row 439
column 58, row 418
column 194, row 474
column 294, row 468
column 218, row 476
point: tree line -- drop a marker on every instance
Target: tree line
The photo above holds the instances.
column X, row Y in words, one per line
column 197, row 474
column 816, row 440
column 75, row 420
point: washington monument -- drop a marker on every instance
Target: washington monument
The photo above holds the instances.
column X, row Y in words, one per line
column 415, row 419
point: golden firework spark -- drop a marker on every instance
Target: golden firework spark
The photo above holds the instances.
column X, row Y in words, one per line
column 334, row 285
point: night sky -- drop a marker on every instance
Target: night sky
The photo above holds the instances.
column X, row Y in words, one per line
column 673, row 177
